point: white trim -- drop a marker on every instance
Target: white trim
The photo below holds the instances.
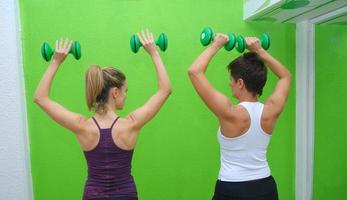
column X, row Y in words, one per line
column 305, row 57
column 329, row 16
column 15, row 170
column 330, row 7
column 25, row 135
column 305, row 96
column 248, row 13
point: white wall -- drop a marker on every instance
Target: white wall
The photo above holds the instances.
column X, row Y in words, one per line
column 15, row 174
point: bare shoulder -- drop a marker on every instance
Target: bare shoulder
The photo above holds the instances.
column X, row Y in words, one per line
column 237, row 124
column 126, row 122
column 89, row 134
column 235, row 114
column 88, row 127
column 125, row 134
column 238, row 112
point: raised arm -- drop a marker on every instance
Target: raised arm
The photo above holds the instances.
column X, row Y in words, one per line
column 279, row 96
column 217, row 102
column 57, row 112
column 146, row 112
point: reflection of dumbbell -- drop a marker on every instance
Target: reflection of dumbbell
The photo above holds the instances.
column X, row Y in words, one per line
column 135, row 43
column 207, row 36
column 241, row 42
column 47, row 51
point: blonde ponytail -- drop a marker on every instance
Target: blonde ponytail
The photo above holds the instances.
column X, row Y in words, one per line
column 98, row 83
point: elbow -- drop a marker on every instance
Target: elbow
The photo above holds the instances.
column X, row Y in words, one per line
column 169, row 91
column 166, row 91
column 192, row 72
column 288, row 75
column 39, row 100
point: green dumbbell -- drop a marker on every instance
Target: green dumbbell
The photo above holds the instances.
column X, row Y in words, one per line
column 207, row 36
column 47, row 51
column 241, row 42
column 135, row 43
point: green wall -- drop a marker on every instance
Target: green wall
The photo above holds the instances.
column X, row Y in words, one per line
column 330, row 160
column 177, row 155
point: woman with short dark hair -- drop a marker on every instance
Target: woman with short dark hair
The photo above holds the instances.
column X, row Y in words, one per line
column 245, row 128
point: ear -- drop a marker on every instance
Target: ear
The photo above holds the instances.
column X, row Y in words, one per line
column 240, row 83
column 115, row 92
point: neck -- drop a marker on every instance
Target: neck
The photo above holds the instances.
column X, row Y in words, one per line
column 248, row 97
column 109, row 112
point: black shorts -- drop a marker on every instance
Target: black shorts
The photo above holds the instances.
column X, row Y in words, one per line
column 261, row 189
column 117, row 198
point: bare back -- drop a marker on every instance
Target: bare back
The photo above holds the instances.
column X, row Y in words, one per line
column 239, row 122
column 123, row 133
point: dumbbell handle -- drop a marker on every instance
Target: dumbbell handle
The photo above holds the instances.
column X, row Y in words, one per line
column 135, row 43
column 241, row 42
column 47, row 52
column 207, row 36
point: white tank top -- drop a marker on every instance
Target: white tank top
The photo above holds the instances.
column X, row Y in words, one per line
column 243, row 158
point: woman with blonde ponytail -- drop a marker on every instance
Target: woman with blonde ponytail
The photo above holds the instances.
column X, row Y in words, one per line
column 106, row 139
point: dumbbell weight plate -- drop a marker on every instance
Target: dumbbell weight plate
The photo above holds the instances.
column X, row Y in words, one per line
column 76, row 50
column 206, row 36
column 265, row 41
column 162, row 42
column 46, row 51
column 135, row 43
column 231, row 44
column 240, row 44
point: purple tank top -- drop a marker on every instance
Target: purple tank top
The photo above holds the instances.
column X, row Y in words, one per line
column 109, row 169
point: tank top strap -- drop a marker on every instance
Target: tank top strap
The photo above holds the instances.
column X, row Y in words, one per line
column 255, row 110
column 96, row 123
column 114, row 122
column 248, row 107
